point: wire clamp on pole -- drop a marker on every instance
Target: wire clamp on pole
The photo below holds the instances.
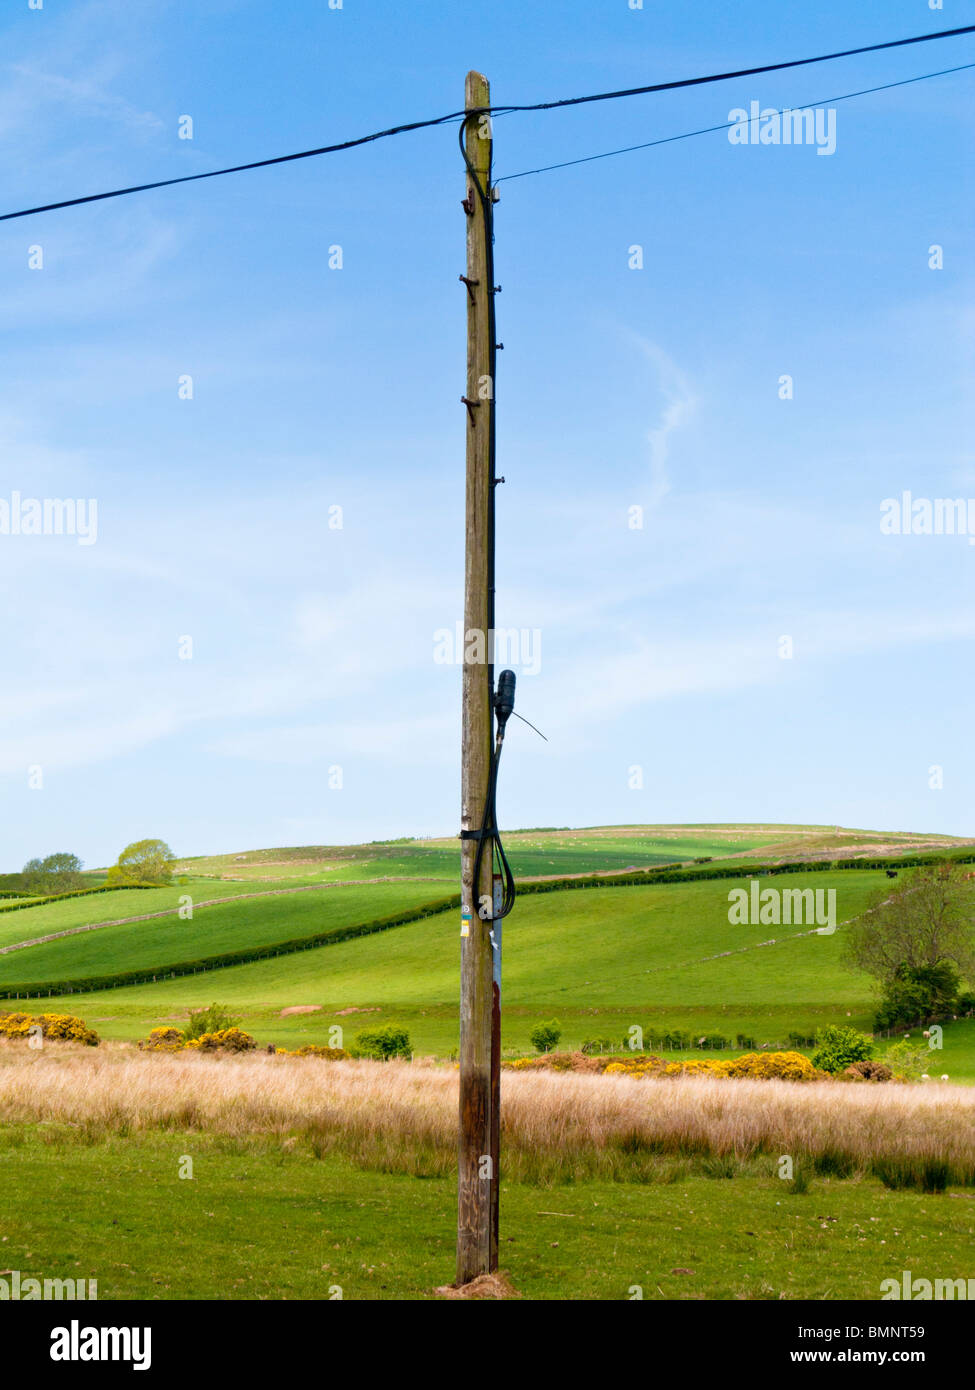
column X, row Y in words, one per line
column 471, row 407
column 470, row 285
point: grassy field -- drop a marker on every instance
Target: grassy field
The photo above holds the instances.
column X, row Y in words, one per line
column 257, row 1222
column 305, row 1179
column 636, row 955
column 163, row 941
column 200, row 1177
column 599, row 960
column 532, row 853
column 537, row 853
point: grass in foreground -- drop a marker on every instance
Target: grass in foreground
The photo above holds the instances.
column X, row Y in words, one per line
column 556, row 1126
column 257, row 1221
column 175, row 1176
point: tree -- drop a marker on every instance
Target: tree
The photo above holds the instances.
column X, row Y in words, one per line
column 925, row 922
column 215, row 1019
column 839, row 1047
column 908, row 1060
column 383, row 1043
column 58, row 873
column 144, row 861
column 923, row 993
column 545, row 1036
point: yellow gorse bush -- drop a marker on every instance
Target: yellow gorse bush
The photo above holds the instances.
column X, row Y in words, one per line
column 227, row 1040
column 757, row 1066
column 330, row 1054
column 635, row 1066
column 172, row 1040
column 760, row 1066
column 787, row 1066
column 15, row 1025
column 629, row 1063
column 164, row 1039
column 57, row 1027
column 698, row 1067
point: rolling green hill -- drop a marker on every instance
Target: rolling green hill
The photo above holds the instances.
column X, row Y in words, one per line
column 546, row 852
column 603, row 959
column 166, row 941
column 600, row 960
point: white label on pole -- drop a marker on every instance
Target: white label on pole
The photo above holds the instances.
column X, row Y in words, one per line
column 465, row 924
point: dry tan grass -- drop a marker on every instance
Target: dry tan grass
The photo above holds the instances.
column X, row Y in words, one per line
column 402, row 1117
column 484, row 1286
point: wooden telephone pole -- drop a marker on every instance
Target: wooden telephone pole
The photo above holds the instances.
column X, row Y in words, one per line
column 480, row 968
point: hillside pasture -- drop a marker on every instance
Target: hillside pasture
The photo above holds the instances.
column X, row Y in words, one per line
column 600, row 959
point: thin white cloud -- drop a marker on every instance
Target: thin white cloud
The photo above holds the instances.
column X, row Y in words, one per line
column 679, row 404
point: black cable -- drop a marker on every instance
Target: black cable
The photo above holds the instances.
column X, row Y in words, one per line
column 741, row 72
column 489, row 831
column 495, row 110
column 708, row 130
column 238, row 168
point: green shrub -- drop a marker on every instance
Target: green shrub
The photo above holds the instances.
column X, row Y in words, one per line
column 839, row 1047
column 918, row 995
column 591, row 1045
column 545, row 1036
column 382, row 1043
column 908, row 1060
column 215, row 1019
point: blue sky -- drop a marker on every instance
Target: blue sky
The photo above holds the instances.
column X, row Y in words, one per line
column 314, row 388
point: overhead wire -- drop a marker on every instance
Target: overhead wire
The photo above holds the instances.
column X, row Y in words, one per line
column 708, row 130
column 509, row 109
